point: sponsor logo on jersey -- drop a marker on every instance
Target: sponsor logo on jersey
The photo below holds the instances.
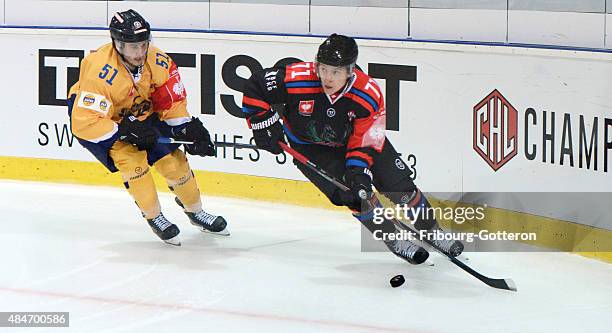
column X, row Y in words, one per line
column 271, row 80
column 495, row 131
column 306, row 107
column 271, row 73
column 89, row 100
column 331, row 112
column 103, row 105
column 399, row 164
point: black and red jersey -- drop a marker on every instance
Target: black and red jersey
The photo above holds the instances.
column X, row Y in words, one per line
column 354, row 118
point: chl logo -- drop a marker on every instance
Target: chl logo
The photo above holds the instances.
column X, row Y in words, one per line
column 495, row 135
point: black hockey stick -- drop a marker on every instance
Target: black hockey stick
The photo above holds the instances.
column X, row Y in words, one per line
column 304, row 160
column 217, row 144
column 506, row 284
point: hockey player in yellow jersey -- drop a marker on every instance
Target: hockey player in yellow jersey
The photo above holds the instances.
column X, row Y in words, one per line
column 129, row 94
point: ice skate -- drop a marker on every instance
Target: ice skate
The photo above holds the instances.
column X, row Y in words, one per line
column 451, row 247
column 165, row 230
column 408, row 251
column 206, row 222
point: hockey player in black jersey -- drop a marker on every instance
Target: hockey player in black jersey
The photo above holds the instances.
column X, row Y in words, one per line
column 334, row 114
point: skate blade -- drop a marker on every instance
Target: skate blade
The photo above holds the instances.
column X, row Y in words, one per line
column 461, row 256
column 225, row 232
column 176, row 241
column 428, row 262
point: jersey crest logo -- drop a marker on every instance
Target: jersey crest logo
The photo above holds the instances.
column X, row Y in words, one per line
column 306, row 107
column 139, row 108
column 331, row 112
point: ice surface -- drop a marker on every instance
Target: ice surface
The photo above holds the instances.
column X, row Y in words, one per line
column 88, row 251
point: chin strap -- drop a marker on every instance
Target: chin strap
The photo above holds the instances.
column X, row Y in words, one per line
column 137, row 72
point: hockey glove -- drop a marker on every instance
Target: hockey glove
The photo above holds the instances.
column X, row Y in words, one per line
column 359, row 180
column 136, row 132
column 267, row 131
column 196, row 132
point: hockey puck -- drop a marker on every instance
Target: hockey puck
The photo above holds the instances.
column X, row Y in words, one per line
column 397, row 281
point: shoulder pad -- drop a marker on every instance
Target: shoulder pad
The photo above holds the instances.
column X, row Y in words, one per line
column 301, row 71
column 367, row 84
column 366, row 92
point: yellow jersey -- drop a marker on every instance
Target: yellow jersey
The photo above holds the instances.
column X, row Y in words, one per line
column 107, row 91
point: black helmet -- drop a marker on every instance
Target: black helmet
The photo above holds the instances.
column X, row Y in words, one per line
column 129, row 27
column 338, row 50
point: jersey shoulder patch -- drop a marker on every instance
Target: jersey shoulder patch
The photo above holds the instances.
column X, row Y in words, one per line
column 95, row 102
column 171, row 91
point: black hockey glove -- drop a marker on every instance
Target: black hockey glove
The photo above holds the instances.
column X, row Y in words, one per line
column 268, row 131
column 196, row 132
column 359, row 180
column 136, row 132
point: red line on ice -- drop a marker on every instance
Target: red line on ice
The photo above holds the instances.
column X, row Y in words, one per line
column 205, row 310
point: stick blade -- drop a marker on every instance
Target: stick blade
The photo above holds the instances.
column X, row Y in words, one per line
column 511, row 285
column 506, row 284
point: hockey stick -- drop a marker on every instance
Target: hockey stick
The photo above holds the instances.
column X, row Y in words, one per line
column 166, row 140
column 304, row 160
column 506, row 284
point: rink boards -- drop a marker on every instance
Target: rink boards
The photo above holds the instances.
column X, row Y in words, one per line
column 466, row 118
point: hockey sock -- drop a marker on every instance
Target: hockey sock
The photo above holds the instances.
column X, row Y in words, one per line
column 137, row 178
column 418, row 208
column 175, row 168
column 367, row 219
